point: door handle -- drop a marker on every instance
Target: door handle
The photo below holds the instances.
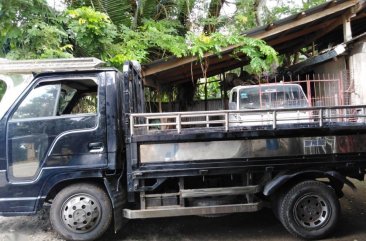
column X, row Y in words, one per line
column 95, row 147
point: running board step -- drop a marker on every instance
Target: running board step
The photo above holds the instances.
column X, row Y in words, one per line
column 188, row 211
column 209, row 192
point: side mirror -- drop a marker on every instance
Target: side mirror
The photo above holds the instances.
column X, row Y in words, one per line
column 232, row 106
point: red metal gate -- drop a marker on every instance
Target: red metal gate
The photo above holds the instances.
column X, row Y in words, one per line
column 322, row 89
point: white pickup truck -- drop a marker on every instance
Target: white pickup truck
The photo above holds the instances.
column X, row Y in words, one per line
column 269, row 97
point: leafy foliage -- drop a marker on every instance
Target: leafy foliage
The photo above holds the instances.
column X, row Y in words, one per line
column 156, row 39
column 143, row 30
column 30, row 29
column 152, row 40
column 92, row 31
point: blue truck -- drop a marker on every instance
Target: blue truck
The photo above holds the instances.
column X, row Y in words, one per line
column 74, row 135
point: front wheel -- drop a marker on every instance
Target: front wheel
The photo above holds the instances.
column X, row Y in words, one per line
column 81, row 212
column 310, row 210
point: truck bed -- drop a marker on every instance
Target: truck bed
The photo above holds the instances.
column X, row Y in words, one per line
column 196, row 143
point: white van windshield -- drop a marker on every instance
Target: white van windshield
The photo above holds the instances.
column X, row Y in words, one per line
column 2, row 89
column 11, row 87
column 272, row 97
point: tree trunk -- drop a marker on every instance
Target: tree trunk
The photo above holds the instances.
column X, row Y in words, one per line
column 213, row 12
column 184, row 15
column 258, row 9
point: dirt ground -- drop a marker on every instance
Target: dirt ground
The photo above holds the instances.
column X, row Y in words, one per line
column 247, row 226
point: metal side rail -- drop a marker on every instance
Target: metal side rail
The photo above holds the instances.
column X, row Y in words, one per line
column 150, row 123
column 205, row 192
column 188, row 211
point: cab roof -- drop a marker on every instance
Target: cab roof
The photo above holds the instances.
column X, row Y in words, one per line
column 50, row 66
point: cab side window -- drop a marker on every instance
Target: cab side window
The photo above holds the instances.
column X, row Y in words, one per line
column 81, row 98
column 87, row 103
column 57, row 99
column 41, row 102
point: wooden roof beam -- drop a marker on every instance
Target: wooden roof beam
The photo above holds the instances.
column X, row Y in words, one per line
column 217, row 69
column 196, row 67
column 278, row 29
column 300, row 33
column 308, row 19
column 317, row 35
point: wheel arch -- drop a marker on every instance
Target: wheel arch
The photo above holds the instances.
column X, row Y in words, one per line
column 57, row 182
column 336, row 179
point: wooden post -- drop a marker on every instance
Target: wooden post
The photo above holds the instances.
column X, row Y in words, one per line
column 159, row 96
column 206, row 94
column 347, row 31
column 222, row 90
column 226, row 102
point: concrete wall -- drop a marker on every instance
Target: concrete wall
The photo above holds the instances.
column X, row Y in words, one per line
column 329, row 92
column 354, row 82
column 357, row 63
column 332, row 67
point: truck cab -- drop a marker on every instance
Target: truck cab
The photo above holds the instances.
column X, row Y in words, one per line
column 60, row 121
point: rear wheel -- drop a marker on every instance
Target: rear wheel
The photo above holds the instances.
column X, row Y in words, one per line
column 310, row 210
column 81, row 212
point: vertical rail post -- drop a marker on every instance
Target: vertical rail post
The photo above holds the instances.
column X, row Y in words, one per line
column 308, row 90
column 321, row 117
column 132, row 125
column 178, row 123
column 274, row 124
column 207, row 121
column 147, row 124
column 226, row 121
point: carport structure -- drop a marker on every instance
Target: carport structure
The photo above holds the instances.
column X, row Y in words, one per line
column 332, row 23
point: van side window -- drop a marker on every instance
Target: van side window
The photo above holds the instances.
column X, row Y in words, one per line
column 234, row 97
column 2, row 89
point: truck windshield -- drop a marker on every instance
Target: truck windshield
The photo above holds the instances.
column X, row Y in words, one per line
column 272, row 97
column 11, row 87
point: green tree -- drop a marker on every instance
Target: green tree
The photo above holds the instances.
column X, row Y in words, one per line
column 143, row 30
column 31, row 29
column 92, row 32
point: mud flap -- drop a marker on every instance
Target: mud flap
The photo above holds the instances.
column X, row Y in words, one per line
column 118, row 200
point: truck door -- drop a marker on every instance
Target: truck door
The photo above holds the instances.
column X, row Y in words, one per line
column 57, row 125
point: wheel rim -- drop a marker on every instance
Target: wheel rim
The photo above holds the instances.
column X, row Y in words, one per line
column 81, row 213
column 312, row 211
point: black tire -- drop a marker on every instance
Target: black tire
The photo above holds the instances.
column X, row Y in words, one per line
column 310, row 210
column 276, row 202
column 81, row 212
